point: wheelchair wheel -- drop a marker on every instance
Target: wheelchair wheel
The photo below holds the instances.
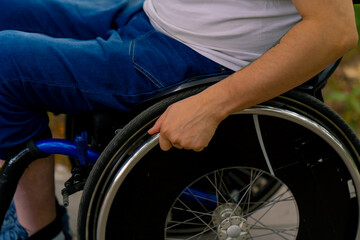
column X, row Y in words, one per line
column 286, row 169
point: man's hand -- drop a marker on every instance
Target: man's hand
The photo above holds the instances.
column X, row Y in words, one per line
column 188, row 124
column 326, row 32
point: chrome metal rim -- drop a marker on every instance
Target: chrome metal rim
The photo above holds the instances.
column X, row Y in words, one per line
column 255, row 111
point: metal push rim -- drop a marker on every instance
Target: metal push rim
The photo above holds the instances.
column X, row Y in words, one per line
column 255, row 111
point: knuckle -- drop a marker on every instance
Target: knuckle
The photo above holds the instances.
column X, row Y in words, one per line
column 199, row 147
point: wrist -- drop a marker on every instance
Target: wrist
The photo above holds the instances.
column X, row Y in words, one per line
column 218, row 101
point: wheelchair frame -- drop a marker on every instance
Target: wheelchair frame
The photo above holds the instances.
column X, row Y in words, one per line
column 14, row 168
column 134, row 158
column 85, row 156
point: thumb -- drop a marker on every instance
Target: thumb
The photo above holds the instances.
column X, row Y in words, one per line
column 157, row 126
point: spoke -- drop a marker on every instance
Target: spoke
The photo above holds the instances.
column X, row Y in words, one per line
column 292, row 236
column 199, row 221
column 280, row 228
column 206, row 224
column 192, row 211
column 223, row 184
column 251, row 238
column 268, row 204
column 249, row 194
column 238, row 193
column 201, row 233
column 270, row 207
column 198, row 196
column 275, row 201
column 246, row 192
column 235, row 193
column 187, row 221
column 264, row 227
column 216, row 189
column 197, row 200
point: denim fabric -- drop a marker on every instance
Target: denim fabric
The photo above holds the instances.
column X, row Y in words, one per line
column 11, row 228
column 76, row 56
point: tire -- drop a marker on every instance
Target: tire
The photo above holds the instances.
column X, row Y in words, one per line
column 291, row 156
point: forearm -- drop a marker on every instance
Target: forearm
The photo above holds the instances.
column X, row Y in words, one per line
column 324, row 35
column 304, row 51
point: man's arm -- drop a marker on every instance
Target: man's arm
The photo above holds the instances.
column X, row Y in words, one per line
column 326, row 32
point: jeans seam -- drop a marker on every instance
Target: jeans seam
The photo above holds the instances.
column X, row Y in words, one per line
column 81, row 89
column 48, row 34
column 146, row 73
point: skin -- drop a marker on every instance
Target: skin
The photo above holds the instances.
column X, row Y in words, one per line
column 35, row 209
column 324, row 35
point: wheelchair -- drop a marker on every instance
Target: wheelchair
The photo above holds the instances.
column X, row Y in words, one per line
column 284, row 169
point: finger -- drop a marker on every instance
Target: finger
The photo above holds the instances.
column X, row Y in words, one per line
column 195, row 149
column 177, row 146
column 157, row 126
column 198, row 149
column 165, row 144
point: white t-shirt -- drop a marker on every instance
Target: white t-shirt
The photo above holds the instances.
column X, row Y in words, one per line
column 230, row 32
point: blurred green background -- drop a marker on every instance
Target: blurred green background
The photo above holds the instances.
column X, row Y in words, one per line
column 342, row 93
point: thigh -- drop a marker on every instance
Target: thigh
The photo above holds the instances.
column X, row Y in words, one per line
column 123, row 68
column 62, row 74
column 81, row 19
column 39, row 73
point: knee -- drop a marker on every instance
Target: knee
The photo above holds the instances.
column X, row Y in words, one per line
column 15, row 47
column 12, row 41
column 9, row 38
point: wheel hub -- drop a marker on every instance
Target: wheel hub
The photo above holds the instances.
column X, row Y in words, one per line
column 231, row 224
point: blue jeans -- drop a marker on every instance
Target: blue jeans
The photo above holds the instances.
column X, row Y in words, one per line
column 77, row 56
column 11, row 228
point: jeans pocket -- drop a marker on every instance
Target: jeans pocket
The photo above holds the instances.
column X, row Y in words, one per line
column 166, row 62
